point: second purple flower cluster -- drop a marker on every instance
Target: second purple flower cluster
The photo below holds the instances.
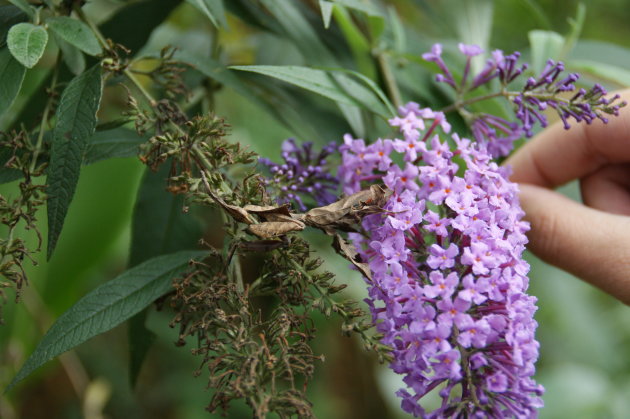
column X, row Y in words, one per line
column 449, row 281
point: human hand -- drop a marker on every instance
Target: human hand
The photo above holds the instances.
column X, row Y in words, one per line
column 590, row 240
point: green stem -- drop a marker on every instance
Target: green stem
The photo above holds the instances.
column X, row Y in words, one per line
column 460, row 104
column 234, row 271
column 101, row 39
column 134, row 80
column 469, row 378
column 47, row 109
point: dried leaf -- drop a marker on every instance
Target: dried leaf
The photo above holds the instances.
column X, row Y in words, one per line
column 238, row 213
column 281, row 217
column 267, row 209
column 361, row 203
column 272, row 229
column 348, row 251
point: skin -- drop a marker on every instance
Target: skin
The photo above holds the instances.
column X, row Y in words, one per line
column 590, row 240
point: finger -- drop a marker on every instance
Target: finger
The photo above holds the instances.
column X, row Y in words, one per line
column 556, row 155
column 589, row 243
column 608, row 189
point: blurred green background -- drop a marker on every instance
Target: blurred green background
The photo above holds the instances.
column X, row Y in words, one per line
column 584, row 334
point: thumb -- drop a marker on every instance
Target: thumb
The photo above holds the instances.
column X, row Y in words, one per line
column 588, row 243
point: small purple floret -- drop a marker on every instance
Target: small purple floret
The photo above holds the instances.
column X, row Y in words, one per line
column 303, row 175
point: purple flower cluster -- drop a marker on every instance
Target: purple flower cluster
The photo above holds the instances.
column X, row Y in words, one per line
column 449, row 283
column 304, row 173
column 539, row 94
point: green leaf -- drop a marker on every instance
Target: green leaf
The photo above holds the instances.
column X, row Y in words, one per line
column 27, row 43
column 213, row 9
column 107, row 306
column 113, row 143
column 296, row 27
column 9, row 16
column 354, row 118
column 220, row 73
column 397, row 30
column 472, row 20
column 140, row 340
column 11, row 78
column 339, row 88
column 364, row 6
column 606, row 52
column 72, row 56
column 545, row 45
column 577, row 24
column 358, row 43
column 76, row 122
column 75, row 33
column 326, row 8
column 603, row 71
column 359, row 91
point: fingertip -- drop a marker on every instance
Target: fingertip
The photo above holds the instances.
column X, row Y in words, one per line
column 590, row 244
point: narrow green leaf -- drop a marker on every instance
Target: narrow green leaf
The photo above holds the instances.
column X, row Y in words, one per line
column 27, row 43
column 577, row 24
column 140, row 340
column 604, row 71
column 472, row 20
column 213, row 9
column 398, row 30
column 365, row 6
column 339, row 88
column 220, row 73
column 72, row 56
column 298, row 28
column 326, row 8
column 113, row 143
column 317, row 81
column 365, row 96
column 354, row 118
column 605, row 52
column 107, row 306
column 358, row 43
column 9, row 16
column 545, row 45
column 76, row 33
column 76, row 122
column 11, row 78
